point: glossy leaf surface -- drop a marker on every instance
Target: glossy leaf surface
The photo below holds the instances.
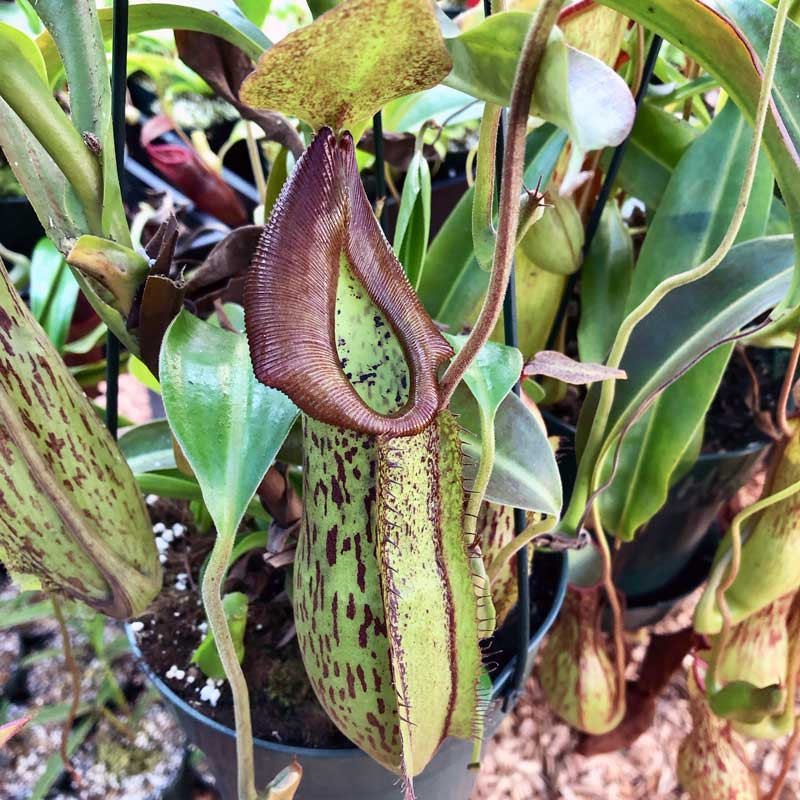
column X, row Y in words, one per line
column 206, row 656
column 689, row 224
column 53, row 292
column 525, row 473
column 573, row 90
column 730, row 39
column 414, row 219
column 148, row 447
column 207, row 384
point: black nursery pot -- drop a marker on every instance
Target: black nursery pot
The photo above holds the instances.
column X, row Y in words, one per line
column 347, row 773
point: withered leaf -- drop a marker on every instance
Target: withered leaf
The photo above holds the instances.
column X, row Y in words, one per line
column 553, row 364
column 224, row 66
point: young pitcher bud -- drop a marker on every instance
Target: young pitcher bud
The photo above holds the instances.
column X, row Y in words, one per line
column 709, row 764
column 553, row 243
column 576, row 671
column 71, row 514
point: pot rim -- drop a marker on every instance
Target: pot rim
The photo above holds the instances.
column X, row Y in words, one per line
column 342, row 752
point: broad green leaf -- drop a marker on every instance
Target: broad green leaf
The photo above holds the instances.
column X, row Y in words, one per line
column 691, row 320
column 414, row 219
column 439, row 103
column 31, row 100
column 27, row 49
column 525, row 473
column 492, row 374
column 53, row 292
column 87, row 342
column 206, row 656
column 695, row 212
column 605, row 280
column 689, row 224
column 148, row 447
column 255, row 10
column 391, row 48
column 658, row 140
column 235, row 315
column 573, row 90
column 65, row 484
column 730, row 39
column 453, row 283
column 218, row 17
column 207, row 383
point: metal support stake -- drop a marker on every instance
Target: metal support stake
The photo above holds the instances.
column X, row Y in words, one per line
column 119, row 58
column 380, row 173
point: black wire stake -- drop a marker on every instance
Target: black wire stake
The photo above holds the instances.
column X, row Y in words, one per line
column 119, row 59
column 380, row 169
column 593, row 222
column 512, row 340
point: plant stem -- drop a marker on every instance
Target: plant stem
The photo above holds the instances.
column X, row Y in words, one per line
column 215, row 613
column 255, row 162
column 616, row 610
column 786, row 388
column 516, row 544
column 530, row 61
column 72, row 668
column 731, row 573
column 590, row 465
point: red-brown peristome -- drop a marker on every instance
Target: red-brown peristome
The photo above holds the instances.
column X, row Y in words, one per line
column 321, row 219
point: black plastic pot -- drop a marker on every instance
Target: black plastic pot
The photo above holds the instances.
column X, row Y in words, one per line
column 347, row 773
column 661, row 551
column 671, row 555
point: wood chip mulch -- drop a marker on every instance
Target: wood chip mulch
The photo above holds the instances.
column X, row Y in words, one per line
column 532, row 755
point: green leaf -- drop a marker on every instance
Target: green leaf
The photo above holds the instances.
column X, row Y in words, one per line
column 730, row 39
column 493, row 373
column 525, row 473
column 53, row 292
column 148, row 447
column 414, row 219
column 658, row 140
column 65, row 484
column 206, row 656
column 744, row 702
column 255, row 10
column 693, row 319
column 235, row 314
column 142, row 374
column 76, row 31
column 27, row 49
column 218, row 17
column 605, row 280
column 438, row 103
column 453, row 283
column 391, row 48
column 88, row 342
column 207, row 383
column 573, row 90
column 688, row 226
column 278, row 174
